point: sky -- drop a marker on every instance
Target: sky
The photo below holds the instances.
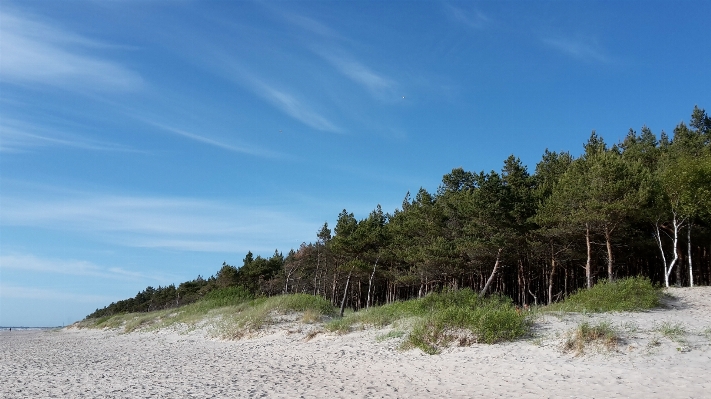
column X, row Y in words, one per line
column 144, row 143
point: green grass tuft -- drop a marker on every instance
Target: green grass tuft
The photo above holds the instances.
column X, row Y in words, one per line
column 673, row 331
column 390, row 335
column 585, row 334
column 629, row 294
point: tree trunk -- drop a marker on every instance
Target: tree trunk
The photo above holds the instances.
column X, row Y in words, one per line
column 588, row 265
column 668, row 267
column 565, row 283
column 535, row 299
column 678, row 269
column 370, row 283
column 491, row 277
column 345, row 291
column 550, row 280
column 316, row 272
column 608, row 244
column 333, row 288
column 688, row 243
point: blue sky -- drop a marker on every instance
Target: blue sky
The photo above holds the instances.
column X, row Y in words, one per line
column 146, row 142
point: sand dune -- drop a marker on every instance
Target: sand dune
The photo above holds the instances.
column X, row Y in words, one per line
column 285, row 363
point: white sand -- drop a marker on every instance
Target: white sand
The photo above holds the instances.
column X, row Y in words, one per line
column 105, row 364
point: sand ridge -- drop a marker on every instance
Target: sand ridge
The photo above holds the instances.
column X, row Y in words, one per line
column 286, row 363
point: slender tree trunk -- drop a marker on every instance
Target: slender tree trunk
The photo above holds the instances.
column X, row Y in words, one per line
column 678, row 269
column 552, row 275
column 493, row 273
column 688, row 243
column 668, row 267
column 333, row 288
column 519, row 275
column 360, row 294
column 316, row 272
column 370, row 283
column 526, row 283
column 345, row 291
column 588, row 263
column 535, row 299
column 610, row 261
column 565, row 283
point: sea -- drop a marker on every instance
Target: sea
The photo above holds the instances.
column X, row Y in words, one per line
column 20, row 328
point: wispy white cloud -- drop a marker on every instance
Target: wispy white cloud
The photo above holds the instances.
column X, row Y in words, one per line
column 20, row 136
column 291, row 105
column 283, row 98
column 19, row 292
column 309, row 24
column 31, row 263
column 209, row 141
column 34, row 51
column 377, row 84
column 156, row 222
column 474, row 19
column 584, row 50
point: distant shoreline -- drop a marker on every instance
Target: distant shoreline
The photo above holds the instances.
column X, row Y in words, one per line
column 3, row 328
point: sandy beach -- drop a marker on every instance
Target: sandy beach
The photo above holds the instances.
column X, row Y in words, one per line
column 648, row 362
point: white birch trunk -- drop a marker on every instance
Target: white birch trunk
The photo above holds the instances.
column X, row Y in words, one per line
column 669, row 267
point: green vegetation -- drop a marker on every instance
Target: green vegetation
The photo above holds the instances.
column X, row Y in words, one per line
column 390, row 335
column 439, row 319
column 626, row 209
column 254, row 315
column 629, row 294
column 586, row 334
column 673, row 331
column 214, row 302
column 233, row 309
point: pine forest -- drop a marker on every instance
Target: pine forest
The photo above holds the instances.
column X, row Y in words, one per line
column 641, row 207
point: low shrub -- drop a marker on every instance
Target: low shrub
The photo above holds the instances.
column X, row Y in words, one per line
column 442, row 318
column 628, row 294
column 487, row 321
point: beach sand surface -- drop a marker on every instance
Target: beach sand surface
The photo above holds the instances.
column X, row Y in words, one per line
column 649, row 362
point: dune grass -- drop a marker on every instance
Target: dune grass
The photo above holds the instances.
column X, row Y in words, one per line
column 675, row 332
column 233, row 304
column 430, row 323
column 236, row 309
column 624, row 295
column 253, row 315
column 214, row 302
column 586, row 334
column 440, row 319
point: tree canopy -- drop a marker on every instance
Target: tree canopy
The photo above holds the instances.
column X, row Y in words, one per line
column 615, row 211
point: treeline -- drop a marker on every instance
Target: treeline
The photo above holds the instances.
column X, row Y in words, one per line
column 251, row 276
column 639, row 207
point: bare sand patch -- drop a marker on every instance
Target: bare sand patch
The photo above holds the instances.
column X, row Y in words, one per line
column 663, row 353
